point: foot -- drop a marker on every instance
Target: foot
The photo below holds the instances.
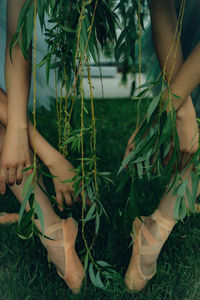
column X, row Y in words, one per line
column 61, row 251
column 148, row 262
column 56, row 254
column 149, row 238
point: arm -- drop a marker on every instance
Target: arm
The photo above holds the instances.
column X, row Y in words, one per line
column 15, row 151
column 186, row 117
column 165, row 10
column 18, row 73
column 185, row 76
column 55, row 162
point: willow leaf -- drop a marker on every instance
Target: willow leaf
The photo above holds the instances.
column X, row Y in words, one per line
column 24, row 203
column 152, row 107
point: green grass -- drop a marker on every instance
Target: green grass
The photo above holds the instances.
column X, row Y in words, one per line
column 24, row 271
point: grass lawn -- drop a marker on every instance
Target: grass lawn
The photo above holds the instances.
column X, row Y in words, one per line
column 25, row 273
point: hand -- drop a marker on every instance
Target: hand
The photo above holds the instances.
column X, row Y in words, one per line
column 15, row 157
column 63, row 169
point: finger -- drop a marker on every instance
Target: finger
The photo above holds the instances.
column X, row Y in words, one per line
column 3, row 180
column 11, row 176
column 19, row 175
column 68, row 199
column 59, row 200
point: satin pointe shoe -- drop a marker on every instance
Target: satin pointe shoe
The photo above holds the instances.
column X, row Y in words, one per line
column 135, row 280
column 73, row 271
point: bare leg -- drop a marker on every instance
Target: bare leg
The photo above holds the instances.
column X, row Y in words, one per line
column 166, row 206
column 154, row 233
column 50, row 218
column 61, row 250
column 179, row 82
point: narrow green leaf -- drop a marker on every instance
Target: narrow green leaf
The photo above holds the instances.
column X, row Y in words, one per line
column 86, row 262
column 27, row 169
column 182, row 188
column 140, row 169
column 152, row 107
column 23, row 13
column 67, row 29
column 26, row 222
column 92, row 275
column 27, row 184
column 177, row 207
column 103, row 264
column 47, row 174
column 99, row 282
column 90, row 213
column 29, row 26
column 97, row 223
column 195, row 184
column 23, row 205
column 40, row 215
column 125, row 162
column 190, row 200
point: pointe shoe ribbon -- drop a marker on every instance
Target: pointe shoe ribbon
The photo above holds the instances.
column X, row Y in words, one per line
column 134, row 278
column 74, row 272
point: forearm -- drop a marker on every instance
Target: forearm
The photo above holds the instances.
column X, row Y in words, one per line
column 164, row 22
column 187, row 78
column 43, row 148
column 17, row 73
column 167, row 45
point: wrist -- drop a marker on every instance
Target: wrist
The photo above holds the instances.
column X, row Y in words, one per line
column 17, row 126
column 52, row 158
column 18, row 122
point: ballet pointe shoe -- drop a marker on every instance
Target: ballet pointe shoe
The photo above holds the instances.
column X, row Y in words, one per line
column 73, row 271
column 135, row 280
column 8, row 218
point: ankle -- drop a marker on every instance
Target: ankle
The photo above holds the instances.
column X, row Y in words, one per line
column 153, row 228
column 168, row 215
column 50, row 221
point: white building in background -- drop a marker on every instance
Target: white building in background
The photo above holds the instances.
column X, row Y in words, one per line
column 111, row 83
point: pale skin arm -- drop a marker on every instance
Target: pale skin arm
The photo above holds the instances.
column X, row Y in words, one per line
column 185, row 75
column 56, row 163
column 15, row 151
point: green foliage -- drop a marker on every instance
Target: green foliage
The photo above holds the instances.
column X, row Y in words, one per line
column 65, row 32
column 178, row 271
column 151, row 145
column 76, row 33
